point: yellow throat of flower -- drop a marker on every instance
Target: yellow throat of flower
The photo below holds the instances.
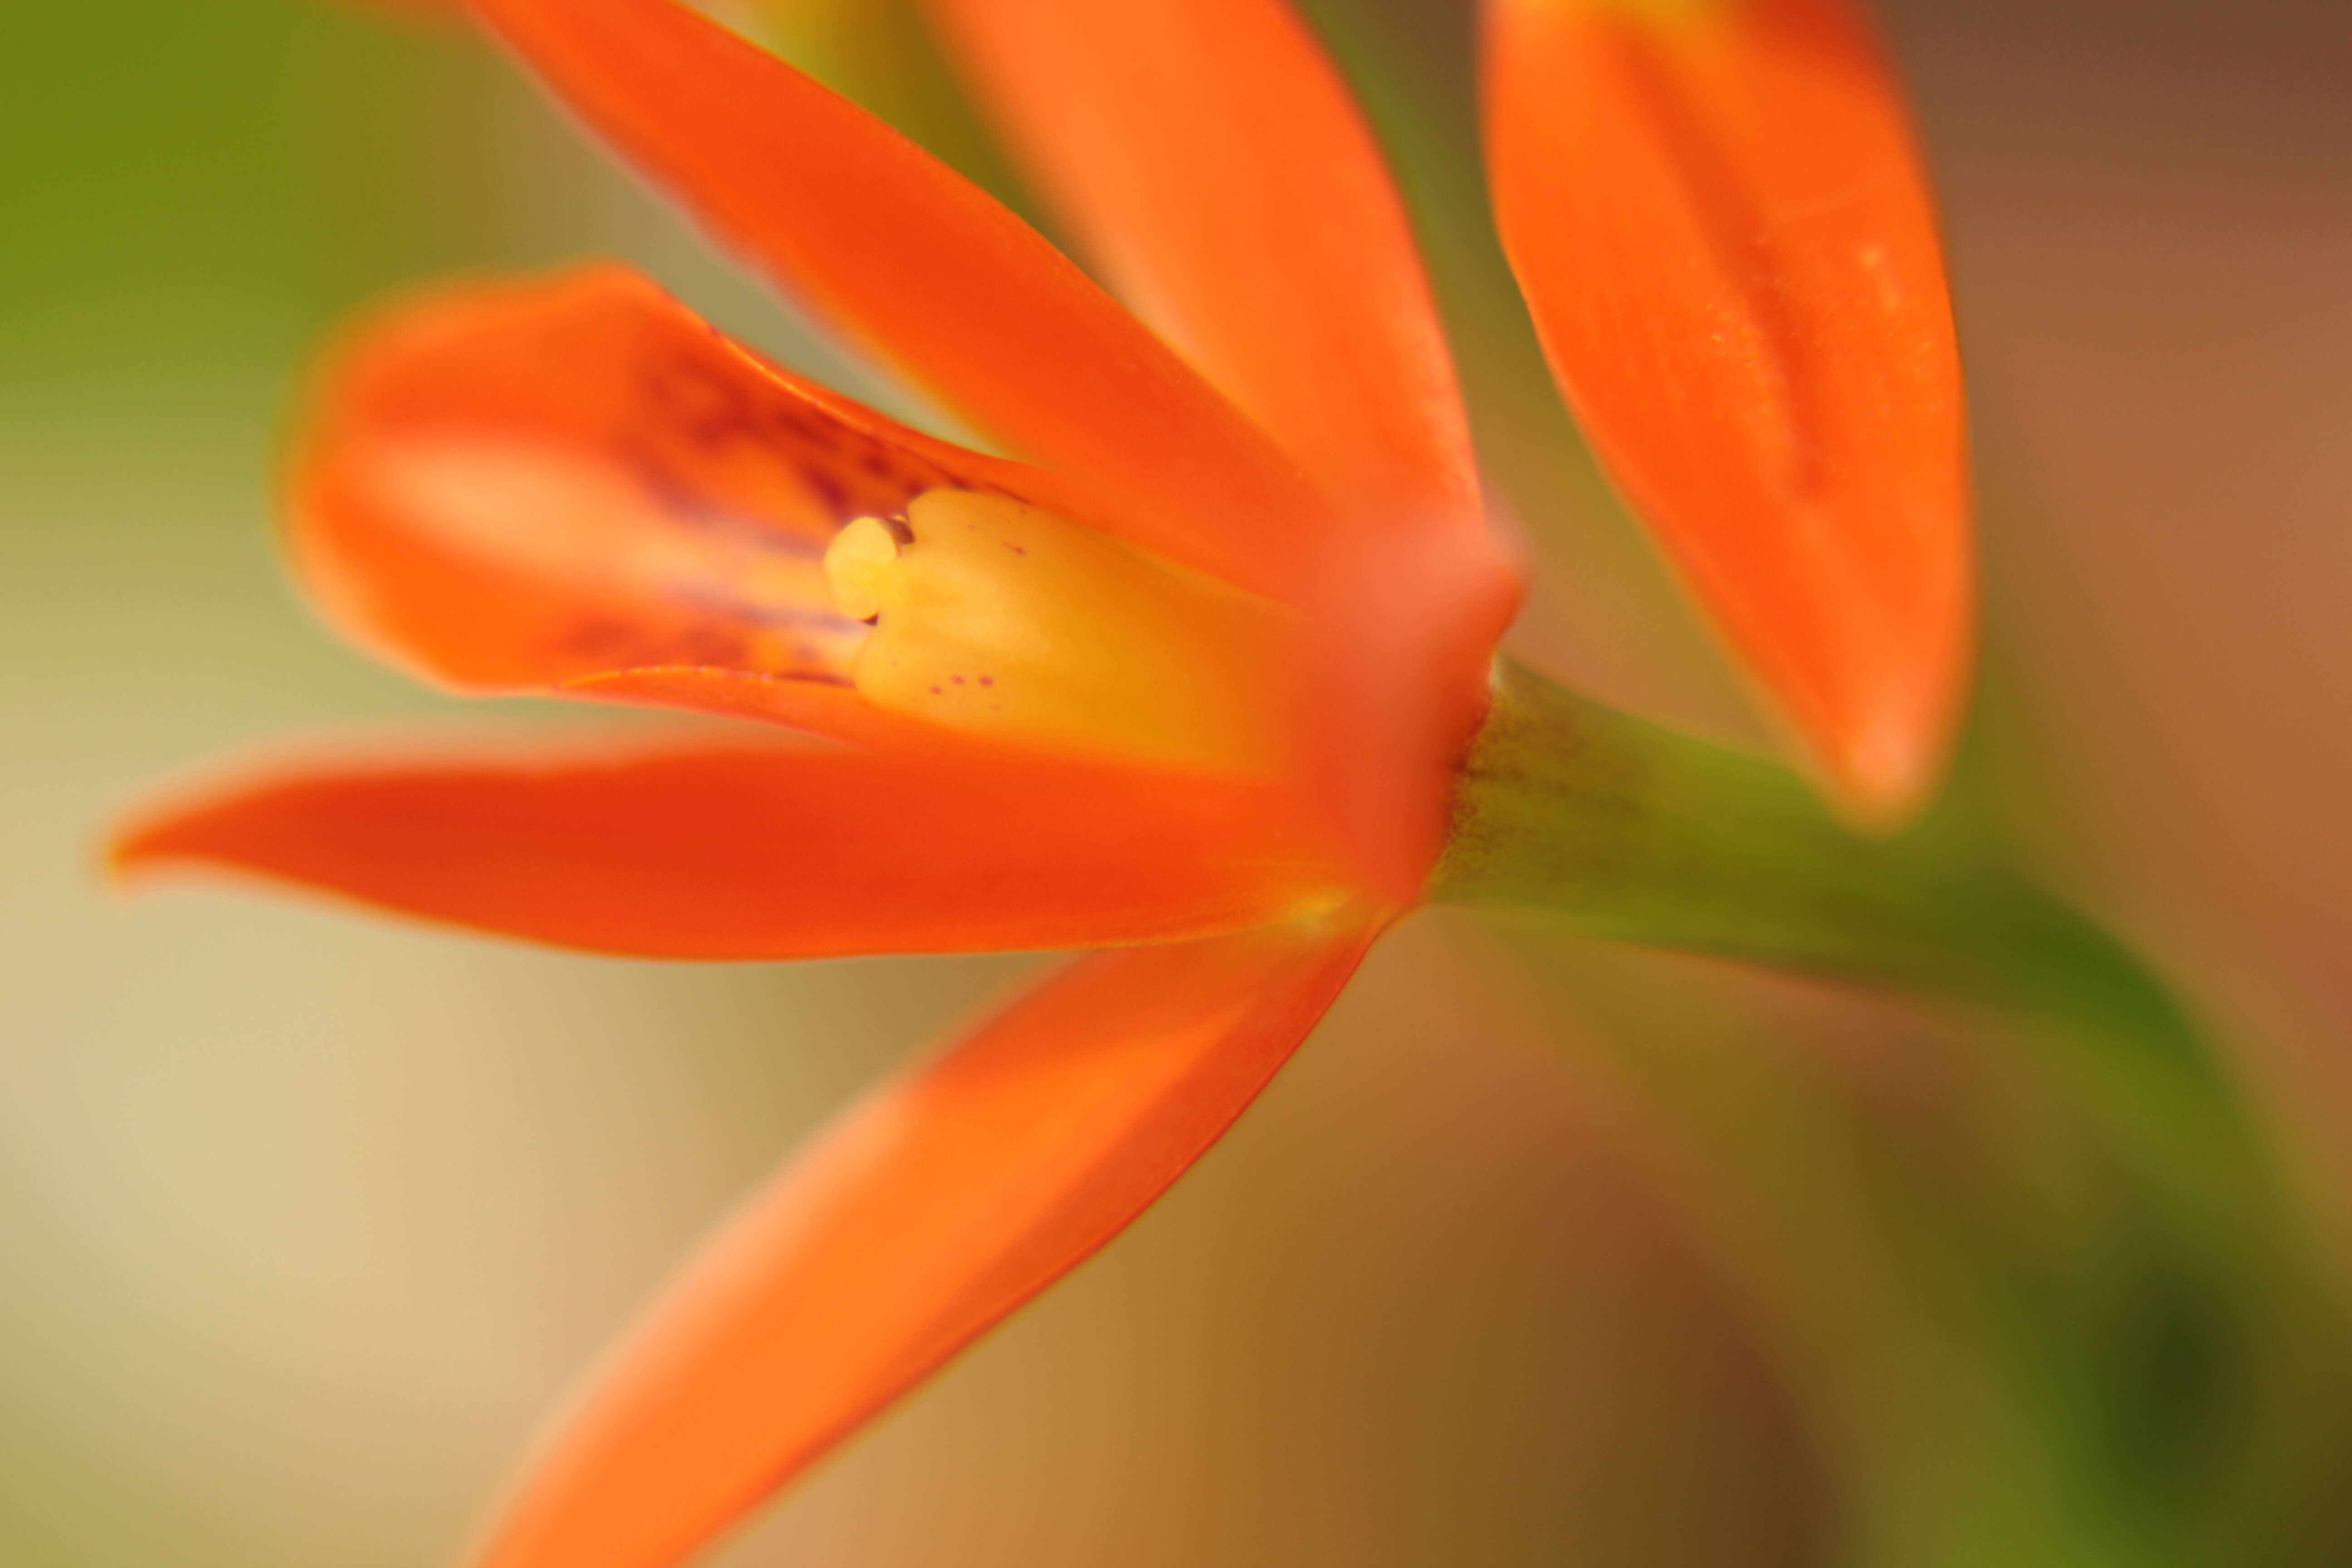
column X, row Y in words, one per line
column 998, row 619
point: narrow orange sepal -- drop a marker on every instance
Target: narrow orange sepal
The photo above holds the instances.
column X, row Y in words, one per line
column 926, row 1214
column 1723, row 231
column 1211, row 159
column 757, row 849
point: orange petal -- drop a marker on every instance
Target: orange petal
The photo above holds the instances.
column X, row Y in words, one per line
column 941, row 1202
column 1212, row 161
column 1722, row 229
column 508, row 487
column 930, row 271
column 762, row 851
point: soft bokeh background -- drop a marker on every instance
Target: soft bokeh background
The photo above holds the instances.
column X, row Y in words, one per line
column 307, row 1222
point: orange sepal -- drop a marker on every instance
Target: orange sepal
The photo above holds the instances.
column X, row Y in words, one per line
column 1214, row 163
column 924, row 1215
column 506, row 487
column 1723, row 231
column 925, row 268
column 764, row 850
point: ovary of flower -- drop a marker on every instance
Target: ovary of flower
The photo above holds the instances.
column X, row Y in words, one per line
column 1002, row 620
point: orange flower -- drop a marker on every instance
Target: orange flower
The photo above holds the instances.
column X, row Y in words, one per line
column 1188, row 680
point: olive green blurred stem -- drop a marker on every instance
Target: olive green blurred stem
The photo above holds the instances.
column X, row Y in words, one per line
column 1629, row 832
column 1634, row 832
column 1606, row 826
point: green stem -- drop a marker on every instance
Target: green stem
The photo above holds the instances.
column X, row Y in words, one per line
column 1635, row 833
column 1614, row 828
column 1629, row 832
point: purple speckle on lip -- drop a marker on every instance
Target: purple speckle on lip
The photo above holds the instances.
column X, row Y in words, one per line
column 956, row 678
column 988, row 680
column 935, row 691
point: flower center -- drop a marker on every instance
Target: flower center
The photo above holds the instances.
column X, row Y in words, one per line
column 993, row 618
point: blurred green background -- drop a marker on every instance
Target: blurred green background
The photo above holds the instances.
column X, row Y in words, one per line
column 307, row 1222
